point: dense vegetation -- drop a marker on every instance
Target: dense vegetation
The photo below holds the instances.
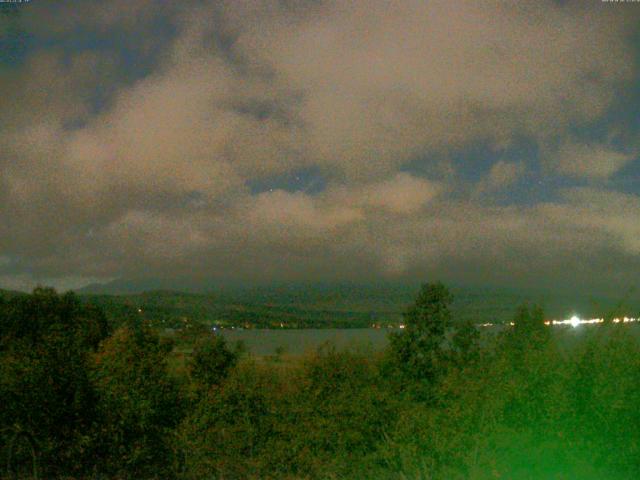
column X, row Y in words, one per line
column 84, row 398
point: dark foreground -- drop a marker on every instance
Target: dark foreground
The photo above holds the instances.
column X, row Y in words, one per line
column 82, row 397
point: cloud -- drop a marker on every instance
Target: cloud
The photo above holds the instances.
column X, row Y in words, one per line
column 613, row 213
column 401, row 194
column 591, row 161
column 291, row 213
column 381, row 84
column 502, row 174
column 156, row 177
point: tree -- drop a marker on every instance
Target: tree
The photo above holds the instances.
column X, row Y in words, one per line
column 31, row 318
column 529, row 330
column 45, row 342
column 420, row 346
column 212, row 360
column 138, row 404
column 466, row 344
column 320, row 417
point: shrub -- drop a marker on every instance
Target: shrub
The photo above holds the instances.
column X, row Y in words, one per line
column 138, row 405
column 211, row 360
column 45, row 341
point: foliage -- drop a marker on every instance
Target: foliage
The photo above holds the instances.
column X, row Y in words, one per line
column 309, row 421
column 529, row 329
column 419, row 348
column 138, row 405
column 45, row 339
column 211, row 360
column 530, row 402
column 30, row 319
column 465, row 344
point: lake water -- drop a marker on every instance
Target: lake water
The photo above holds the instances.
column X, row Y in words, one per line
column 297, row 342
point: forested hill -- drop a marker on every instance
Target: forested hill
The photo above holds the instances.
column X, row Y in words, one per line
column 338, row 306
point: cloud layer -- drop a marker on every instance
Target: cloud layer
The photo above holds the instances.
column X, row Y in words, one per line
column 139, row 157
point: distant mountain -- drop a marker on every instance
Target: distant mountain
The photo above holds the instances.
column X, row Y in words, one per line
column 127, row 286
column 120, row 287
column 331, row 305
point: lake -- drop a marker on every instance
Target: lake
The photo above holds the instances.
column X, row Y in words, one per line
column 297, row 342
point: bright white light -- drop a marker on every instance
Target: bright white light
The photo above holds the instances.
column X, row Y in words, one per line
column 574, row 321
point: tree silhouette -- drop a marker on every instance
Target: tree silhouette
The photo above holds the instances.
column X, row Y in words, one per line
column 420, row 346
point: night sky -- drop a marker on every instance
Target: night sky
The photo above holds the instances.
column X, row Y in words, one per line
column 320, row 141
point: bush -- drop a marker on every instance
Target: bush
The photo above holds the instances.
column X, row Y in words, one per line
column 321, row 417
column 419, row 349
column 45, row 341
column 138, row 405
column 211, row 360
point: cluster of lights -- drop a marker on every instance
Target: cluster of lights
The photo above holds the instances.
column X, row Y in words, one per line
column 575, row 321
column 625, row 320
